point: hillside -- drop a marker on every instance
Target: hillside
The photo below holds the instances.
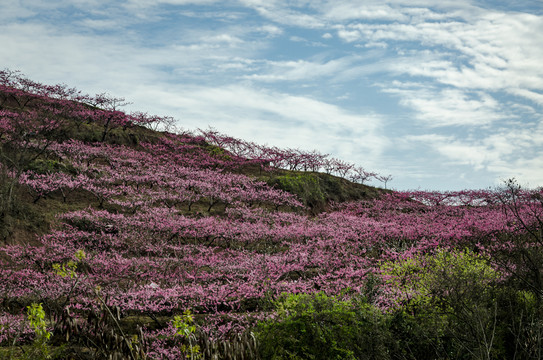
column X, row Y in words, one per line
column 121, row 240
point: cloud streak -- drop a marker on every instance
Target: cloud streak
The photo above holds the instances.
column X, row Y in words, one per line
column 257, row 113
column 449, row 106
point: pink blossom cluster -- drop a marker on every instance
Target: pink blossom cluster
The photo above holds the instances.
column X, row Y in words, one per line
column 14, row 326
column 133, row 179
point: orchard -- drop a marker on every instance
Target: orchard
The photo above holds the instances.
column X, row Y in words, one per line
column 120, row 240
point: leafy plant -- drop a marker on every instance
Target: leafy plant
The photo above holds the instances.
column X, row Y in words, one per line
column 185, row 328
column 446, row 302
column 36, row 317
column 318, row 326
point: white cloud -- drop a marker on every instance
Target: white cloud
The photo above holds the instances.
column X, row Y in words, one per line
column 342, row 11
column 448, row 107
column 277, row 11
column 255, row 113
column 15, row 10
column 496, row 51
column 111, row 63
column 301, row 70
column 507, row 152
column 349, row 35
column 271, row 30
column 460, row 152
column 534, row 96
column 222, row 38
column 271, row 117
column 296, row 109
column 151, row 3
column 100, row 24
column 297, row 39
column 528, row 171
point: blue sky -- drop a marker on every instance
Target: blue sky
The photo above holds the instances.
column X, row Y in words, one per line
column 441, row 94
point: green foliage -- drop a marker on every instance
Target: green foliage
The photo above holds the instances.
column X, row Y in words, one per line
column 424, row 279
column 69, row 268
column 305, row 185
column 317, row 190
column 219, row 153
column 446, row 304
column 80, row 255
column 36, row 317
column 185, row 328
column 183, row 324
column 317, row 326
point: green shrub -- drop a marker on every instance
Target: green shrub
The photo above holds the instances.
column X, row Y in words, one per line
column 219, row 153
column 446, row 306
column 444, row 277
column 40, row 348
column 185, row 328
column 317, row 326
column 306, row 186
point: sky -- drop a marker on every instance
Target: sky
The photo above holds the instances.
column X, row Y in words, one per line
column 442, row 95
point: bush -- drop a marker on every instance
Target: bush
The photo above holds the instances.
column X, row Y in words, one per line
column 306, row 186
column 446, row 306
column 317, row 326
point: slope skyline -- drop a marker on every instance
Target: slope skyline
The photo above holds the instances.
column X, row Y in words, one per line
column 443, row 95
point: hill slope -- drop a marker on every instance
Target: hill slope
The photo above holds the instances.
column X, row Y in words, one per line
column 123, row 241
